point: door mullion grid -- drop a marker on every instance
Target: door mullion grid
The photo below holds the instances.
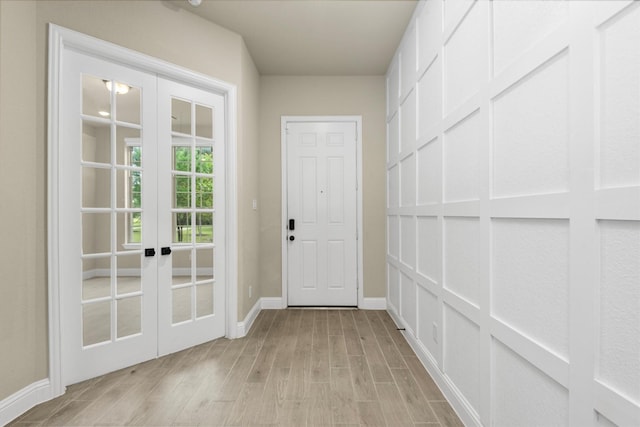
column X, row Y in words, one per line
column 82, row 361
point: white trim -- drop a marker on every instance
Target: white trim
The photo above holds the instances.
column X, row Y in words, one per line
column 21, row 401
column 284, row 210
column 359, row 219
column 373, row 304
column 56, row 45
column 449, row 391
column 244, row 326
column 62, row 39
column 231, row 116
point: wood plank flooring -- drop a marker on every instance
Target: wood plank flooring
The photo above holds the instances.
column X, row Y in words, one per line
column 295, row 368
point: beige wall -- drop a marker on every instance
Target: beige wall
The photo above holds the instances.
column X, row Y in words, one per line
column 248, row 236
column 284, row 95
column 23, row 335
column 152, row 27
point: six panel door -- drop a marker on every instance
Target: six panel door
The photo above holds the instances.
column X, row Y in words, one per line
column 321, row 187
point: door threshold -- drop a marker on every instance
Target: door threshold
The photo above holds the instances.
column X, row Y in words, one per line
column 314, row 307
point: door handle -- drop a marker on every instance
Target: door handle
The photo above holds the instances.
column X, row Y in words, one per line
column 165, row 251
column 292, row 224
column 149, row 252
column 292, row 238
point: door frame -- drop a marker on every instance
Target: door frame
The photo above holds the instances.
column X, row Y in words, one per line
column 61, row 40
column 284, row 120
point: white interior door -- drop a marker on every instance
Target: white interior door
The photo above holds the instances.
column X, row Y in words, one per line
column 122, row 299
column 321, row 209
column 191, row 216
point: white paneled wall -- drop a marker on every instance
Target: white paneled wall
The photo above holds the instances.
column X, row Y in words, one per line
column 514, row 207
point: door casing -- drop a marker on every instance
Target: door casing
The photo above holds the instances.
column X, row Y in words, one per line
column 60, row 41
column 283, row 152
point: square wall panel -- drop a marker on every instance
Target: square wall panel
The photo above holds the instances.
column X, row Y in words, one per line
column 520, row 25
column 408, row 123
column 430, row 100
column 520, row 392
column 428, row 254
column 462, row 159
column 620, row 100
column 429, row 166
column 393, row 186
column 619, row 334
column 394, row 287
column 408, row 300
column 408, row 241
column 393, row 235
column 408, row 62
column 393, row 88
column 530, row 283
column 462, row 354
column 427, row 316
column 408, row 181
column 453, row 10
column 531, row 133
column 465, row 59
column 429, row 27
column 462, row 257
column 393, row 145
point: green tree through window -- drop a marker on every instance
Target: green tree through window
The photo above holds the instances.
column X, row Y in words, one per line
column 134, row 181
column 200, row 197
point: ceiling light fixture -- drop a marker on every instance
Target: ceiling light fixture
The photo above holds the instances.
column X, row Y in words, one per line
column 195, row 3
column 121, row 88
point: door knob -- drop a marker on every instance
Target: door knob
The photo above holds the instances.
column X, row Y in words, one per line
column 292, row 238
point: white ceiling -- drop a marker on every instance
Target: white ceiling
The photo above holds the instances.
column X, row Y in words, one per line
column 313, row 37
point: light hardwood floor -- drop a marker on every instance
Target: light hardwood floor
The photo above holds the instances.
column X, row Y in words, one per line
column 295, row 367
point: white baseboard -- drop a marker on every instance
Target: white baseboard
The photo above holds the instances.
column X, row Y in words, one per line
column 457, row 402
column 245, row 325
column 23, row 400
column 373, row 304
column 274, row 303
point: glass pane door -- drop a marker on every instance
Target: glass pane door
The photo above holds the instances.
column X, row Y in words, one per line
column 142, row 217
column 191, row 215
column 108, row 285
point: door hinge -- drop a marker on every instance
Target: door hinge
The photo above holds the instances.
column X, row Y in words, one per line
column 356, row 234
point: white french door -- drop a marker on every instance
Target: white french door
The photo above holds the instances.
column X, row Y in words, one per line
column 321, row 210
column 191, row 218
column 142, row 221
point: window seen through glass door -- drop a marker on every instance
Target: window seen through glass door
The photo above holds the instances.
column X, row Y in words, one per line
column 193, row 210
